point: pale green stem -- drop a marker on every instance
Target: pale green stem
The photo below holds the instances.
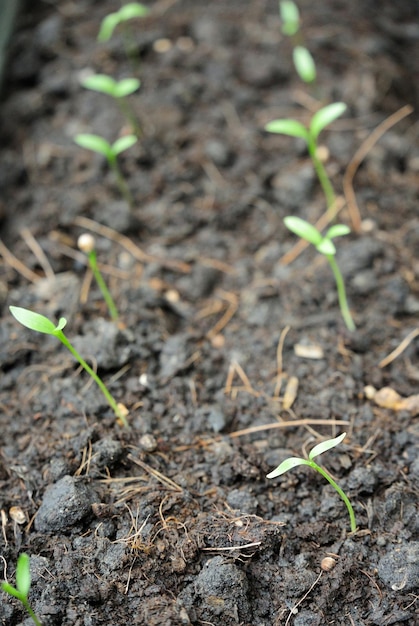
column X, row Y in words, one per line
column 129, row 45
column 111, row 401
column 322, row 175
column 339, row 491
column 102, row 285
column 120, row 180
column 343, row 303
column 31, row 613
column 129, row 114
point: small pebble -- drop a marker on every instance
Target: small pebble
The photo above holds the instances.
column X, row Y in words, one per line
column 399, row 568
column 148, row 443
column 64, row 504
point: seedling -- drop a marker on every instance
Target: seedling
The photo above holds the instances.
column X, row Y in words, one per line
column 126, row 13
column 118, row 90
column 310, row 134
column 110, row 152
column 293, row 461
column 41, row 324
column 325, row 245
column 23, row 585
column 86, row 244
column 290, row 17
column 303, row 61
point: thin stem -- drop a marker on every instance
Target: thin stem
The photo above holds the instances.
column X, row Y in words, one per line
column 343, row 303
column 102, row 285
column 129, row 114
column 130, row 47
column 30, row 611
column 339, row 491
column 120, row 181
column 111, row 401
column 322, row 175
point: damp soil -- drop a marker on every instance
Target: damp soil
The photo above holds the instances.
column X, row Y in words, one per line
column 172, row 521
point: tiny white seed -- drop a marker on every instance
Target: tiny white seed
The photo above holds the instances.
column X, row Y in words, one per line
column 327, row 564
column 86, row 243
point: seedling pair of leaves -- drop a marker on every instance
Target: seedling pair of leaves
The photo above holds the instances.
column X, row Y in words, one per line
column 41, row 324
column 23, row 585
column 125, row 14
column 303, row 61
column 118, row 90
column 310, row 134
column 325, row 245
column 293, row 461
column 110, row 152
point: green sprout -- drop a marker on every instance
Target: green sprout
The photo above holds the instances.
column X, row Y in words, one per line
column 126, row 13
column 325, row 245
column 304, row 64
column 115, row 88
column 292, row 462
column 110, row 152
column 118, row 90
column 310, row 134
column 290, row 17
column 87, row 244
column 23, row 585
column 41, row 324
column 303, row 61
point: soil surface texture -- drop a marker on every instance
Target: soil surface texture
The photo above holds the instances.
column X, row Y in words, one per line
column 230, row 352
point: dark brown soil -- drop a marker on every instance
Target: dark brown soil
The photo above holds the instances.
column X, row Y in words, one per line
column 172, row 521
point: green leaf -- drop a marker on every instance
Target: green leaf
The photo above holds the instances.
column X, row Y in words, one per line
column 326, row 445
column 32, row 320
column 290, row 17
column 123, row 143
column 23, row 574
column 303, row 229
column 61, row 323
column 131, row 10
column 11, row 591
column 325, row 116
column 304, row 64
column 94, row 143
column 338, row 230
column 126, row 12
column 287, row 465
column 288, row 127
column 100, row 82
column 108, row 25
column 126, row 87
column 326, row 246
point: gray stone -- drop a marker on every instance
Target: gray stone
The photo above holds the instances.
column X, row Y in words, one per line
column 362, row 479
column 64, row 504
column 106, row 453
column 243, row 501
column 307, row 618
column 218, row 593
column 103, row 340
column 399, row 568
column 217, row 419
column 218, row 152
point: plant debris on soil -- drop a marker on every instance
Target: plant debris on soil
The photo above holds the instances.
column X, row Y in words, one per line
column 230, row 353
